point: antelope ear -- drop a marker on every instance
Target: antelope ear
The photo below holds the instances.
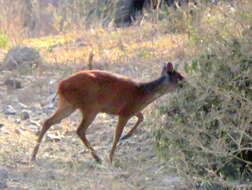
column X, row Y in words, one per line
column 169, row 67
column 164, row 70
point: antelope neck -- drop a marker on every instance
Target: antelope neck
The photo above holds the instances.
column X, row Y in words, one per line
column 153, row 88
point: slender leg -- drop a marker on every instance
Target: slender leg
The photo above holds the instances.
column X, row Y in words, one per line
column 118, row 132
column 140, row 118
column 63, row 111
column 88, row 118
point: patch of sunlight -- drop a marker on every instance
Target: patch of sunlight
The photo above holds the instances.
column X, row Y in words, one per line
column 50, row 41
column 105, row 45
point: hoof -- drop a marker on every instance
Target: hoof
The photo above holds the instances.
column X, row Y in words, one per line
column 124, row 137
column 98, row 160
column 33, row 159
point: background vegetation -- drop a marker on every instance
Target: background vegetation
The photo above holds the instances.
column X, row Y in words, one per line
column 202, row 133
column 207, row 127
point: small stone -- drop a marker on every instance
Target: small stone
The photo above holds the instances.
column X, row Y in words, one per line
column 138, row 149
column 4, row 131
column 171, row 180
column 52, row 81
column 3, row 177
column 50, row 106
column 35, row 123
column 9, row 110
column 13, row 83
column 53, row 138
column 19, row 131
column 24, row 115
column 3, row 174
column 3, row 184
column 1, row 125
column 30, row 128
column 18, row 121
column 22, row 106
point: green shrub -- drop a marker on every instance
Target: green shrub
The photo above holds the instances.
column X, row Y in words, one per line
column 4, row 40
column 207, row 132
column 206, row 128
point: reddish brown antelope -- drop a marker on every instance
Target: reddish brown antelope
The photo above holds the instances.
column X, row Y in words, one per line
column 94, row 92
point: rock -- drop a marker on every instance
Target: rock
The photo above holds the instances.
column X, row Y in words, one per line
column 51, row 82
column 21, row 106
column 5, row 132
column 1, row 125
column 204, row 186
column 24, row 115
column 3, row 177
column 53, row 138
column 48, row 3
column 3, row 174
column 138, row 149
column 20, row 56
column 31, row 128
column 35, row 123
column 50, row 106
column 19, row 131
column 13, row 83
column 9, row 110
column 18, row 121
column 3, row 184
column 167, row 180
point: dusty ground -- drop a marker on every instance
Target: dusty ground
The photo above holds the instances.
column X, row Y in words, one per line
column 63, row 162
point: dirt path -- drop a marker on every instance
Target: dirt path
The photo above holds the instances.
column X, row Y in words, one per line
column 64, row 165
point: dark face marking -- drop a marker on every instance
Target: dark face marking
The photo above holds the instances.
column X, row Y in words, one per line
column 175, row 77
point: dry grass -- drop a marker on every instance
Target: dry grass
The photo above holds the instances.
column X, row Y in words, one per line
column 115, row 46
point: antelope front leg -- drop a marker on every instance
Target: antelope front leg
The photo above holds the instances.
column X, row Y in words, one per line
column 140, row 118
